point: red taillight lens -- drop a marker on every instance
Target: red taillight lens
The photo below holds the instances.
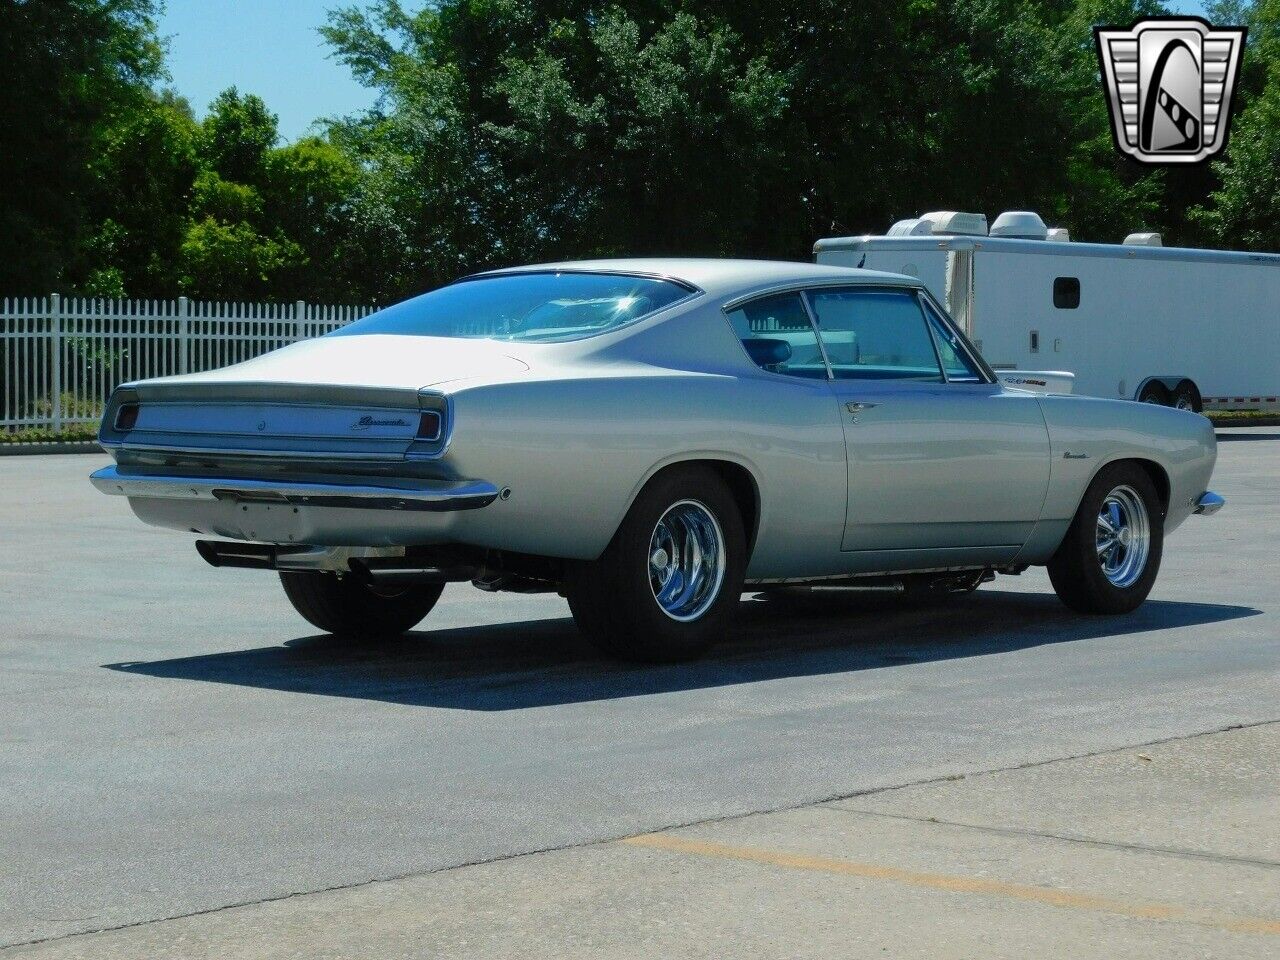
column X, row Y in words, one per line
column 429, row 425
column 127, row 417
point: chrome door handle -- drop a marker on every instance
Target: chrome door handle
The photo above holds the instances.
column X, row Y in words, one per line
column 856, row 406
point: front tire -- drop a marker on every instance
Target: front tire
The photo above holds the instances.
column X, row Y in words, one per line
column 1110, row 557
column 344, row 606
column 669, row 582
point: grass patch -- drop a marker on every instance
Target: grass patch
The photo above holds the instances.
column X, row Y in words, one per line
column 1244, row 418
column 74, row 433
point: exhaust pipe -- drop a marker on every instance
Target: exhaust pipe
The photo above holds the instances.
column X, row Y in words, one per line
column 255, row 556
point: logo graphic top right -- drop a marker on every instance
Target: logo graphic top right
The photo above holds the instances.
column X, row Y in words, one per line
column 1169, row 85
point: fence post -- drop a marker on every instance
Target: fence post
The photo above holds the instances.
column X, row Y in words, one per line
column 55, row 347
column 300, row 320
column 184, row 335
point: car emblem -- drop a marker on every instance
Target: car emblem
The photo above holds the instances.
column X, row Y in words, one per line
column 1169, row 83
column 365, row 422
column 262, row 425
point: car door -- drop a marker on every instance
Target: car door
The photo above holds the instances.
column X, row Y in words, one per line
column 944, row 466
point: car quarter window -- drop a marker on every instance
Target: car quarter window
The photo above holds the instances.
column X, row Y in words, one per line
column 776, row 333
column 875, row 334
column 955, row 363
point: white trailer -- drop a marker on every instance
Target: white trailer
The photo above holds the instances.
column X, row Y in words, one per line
column 1183, row 327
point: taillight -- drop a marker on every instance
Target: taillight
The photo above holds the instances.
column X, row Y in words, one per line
column 429, row 425
column 127, row 417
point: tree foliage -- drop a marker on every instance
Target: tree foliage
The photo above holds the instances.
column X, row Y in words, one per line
column 521, row 130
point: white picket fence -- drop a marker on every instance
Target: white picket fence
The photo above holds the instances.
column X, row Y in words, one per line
column 61, row 357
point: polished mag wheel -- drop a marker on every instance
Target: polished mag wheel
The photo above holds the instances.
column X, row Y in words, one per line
column 668, row 584
column 1110, row 556
column 686, row 560
column 1123, row 538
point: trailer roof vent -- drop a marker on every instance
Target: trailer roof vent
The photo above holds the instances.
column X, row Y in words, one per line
column 915, row 227
column 1019, row 225
column 956, row 223
column 1143, row 240
column 1060, row 234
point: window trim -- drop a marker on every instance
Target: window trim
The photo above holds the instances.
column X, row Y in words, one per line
column 926, row 307
column 738, row 303
column 985, row 373
column 1053, row 292
column 913, row 292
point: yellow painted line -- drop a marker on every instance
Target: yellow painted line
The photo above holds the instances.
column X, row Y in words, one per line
column 954, row 883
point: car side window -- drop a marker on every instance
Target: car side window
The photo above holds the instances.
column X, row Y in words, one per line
column 955, row 363
column 776, row 333
column 873, row 334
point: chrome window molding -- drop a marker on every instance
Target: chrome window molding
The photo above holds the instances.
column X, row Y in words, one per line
column 740, row 302
column 642, row 274
column 893, row 287
column 984, row 369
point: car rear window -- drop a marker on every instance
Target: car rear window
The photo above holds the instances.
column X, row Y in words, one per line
column 527, row 307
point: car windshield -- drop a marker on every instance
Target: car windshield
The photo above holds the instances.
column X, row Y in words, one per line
column 530, row 307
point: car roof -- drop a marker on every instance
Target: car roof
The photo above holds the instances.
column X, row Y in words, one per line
column 721, row 277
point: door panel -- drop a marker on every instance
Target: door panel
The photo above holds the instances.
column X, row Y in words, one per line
column 942, row 466
column 941, row 462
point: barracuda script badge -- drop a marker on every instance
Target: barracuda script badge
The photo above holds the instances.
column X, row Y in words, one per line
column 365, row 422
column 1170, row 83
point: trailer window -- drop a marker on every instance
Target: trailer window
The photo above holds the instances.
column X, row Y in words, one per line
column 1066, row 292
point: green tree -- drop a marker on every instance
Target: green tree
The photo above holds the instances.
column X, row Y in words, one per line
column 516, row 130
column 1244, row 211
column 68, row 68
column 144, row 173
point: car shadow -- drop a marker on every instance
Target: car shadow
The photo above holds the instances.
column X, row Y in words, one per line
column 540, row 663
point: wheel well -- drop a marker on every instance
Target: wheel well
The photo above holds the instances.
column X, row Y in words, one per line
column 1159, row 479
column 741, row 484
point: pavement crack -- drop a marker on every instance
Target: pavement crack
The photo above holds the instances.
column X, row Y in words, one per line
column 824, row 802
column 1182, row 852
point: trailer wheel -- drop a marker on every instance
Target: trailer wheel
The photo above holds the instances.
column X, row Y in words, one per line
column 1187, row 397
column 1156, row 393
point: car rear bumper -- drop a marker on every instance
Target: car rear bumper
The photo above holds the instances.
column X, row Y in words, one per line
column 431, row 496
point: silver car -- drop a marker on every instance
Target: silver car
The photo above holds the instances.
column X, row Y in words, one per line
column 650, row 438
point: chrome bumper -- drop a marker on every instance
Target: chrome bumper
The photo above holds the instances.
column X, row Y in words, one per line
column 1209, row 503
column 439, row 496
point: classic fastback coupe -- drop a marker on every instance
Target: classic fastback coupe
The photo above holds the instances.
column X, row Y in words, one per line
column 650, row 438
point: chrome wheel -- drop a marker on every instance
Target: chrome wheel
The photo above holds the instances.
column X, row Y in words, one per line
column 1123, row 536
column 1185, row 402
column 686, row 560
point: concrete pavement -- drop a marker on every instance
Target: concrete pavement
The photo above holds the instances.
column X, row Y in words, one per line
column 173, row 739
column 1170, row 850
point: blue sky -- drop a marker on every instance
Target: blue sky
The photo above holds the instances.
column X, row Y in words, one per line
column 271, row 48
column 267, row 47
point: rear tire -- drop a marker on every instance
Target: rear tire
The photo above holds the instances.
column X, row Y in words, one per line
column 668, row 584
column 344, row 606
column 1111, row 554
column 1187, row 397
column 1155, row 393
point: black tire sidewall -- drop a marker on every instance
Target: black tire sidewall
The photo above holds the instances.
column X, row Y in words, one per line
column 344, row 606
column 614, row 599
column 1075, row 571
